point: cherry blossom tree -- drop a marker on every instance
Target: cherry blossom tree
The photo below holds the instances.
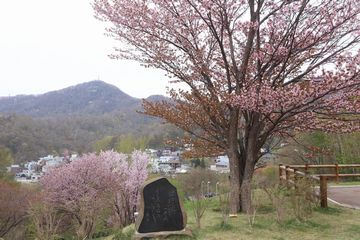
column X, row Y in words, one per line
column 256, row 70
column 130, row 175
column 82, row 189
column 87, row 186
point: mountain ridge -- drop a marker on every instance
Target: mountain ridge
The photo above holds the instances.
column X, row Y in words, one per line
column 94, row 97
column 73, row 118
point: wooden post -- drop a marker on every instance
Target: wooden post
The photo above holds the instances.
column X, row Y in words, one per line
column 296, row 178
column 280, row 173
column 287, row 176
column 323, row 192
column 306, row 168
column 337, row 172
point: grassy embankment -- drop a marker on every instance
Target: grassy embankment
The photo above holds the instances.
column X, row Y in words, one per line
column 332, row 223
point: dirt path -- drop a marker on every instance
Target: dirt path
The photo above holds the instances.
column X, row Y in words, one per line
column 348, row 196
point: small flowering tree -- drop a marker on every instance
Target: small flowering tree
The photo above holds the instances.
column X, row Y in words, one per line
column 87, row 186
column 130, row 175
column 82, row 189
column 256, row 70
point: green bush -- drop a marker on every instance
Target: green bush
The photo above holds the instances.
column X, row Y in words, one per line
column 123, row 234
column 103, row 232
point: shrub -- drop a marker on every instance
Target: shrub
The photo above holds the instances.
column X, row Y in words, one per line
column 93, row 184
column 14, row 203
column 224, row 202
column 45, row 219
column 123, row 234
column 197, row 186
column 278, row 194
column 303, row 198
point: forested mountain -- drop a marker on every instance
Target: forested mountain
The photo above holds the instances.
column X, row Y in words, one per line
column 73, row 118
column 94, row 97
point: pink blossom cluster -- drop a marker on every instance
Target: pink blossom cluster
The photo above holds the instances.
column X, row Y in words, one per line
column 80, row 185
column 293, row 62
column 311, row 105
column 88, row 185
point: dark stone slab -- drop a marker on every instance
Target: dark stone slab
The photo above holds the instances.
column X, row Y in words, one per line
column 160, row 210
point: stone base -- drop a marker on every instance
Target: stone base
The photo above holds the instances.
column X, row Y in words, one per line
column 163, row 234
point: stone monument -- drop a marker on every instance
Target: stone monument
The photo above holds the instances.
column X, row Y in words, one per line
column 161, row 212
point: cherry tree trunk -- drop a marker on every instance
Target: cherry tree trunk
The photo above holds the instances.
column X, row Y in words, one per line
column 235, row 182
column 242, row 167
column 246, row 199
column 241, row 173
column 234, row 157
column 250, row 158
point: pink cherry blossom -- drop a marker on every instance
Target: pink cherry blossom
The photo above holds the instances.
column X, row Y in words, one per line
column 91, row 184
column 254, row 70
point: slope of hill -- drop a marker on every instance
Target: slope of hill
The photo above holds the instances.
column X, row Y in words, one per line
column 73, row 118
column 94, row 97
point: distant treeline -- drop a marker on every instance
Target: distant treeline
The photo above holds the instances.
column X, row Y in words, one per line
column 30, row 138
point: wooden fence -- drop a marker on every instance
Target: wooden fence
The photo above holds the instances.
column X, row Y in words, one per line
column 288, row 174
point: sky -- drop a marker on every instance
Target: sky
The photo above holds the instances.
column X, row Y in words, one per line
column 48, row 45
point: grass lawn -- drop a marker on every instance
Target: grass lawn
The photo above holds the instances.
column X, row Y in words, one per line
column 332, row 223
column 344, row 183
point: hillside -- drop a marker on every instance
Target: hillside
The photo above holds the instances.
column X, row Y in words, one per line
column 73, row 118
column 94, row 97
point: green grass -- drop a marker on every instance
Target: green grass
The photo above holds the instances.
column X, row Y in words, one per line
column 332, row 223
column 344, row 183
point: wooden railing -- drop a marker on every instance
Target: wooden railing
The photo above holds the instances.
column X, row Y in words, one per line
column 288, row 174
